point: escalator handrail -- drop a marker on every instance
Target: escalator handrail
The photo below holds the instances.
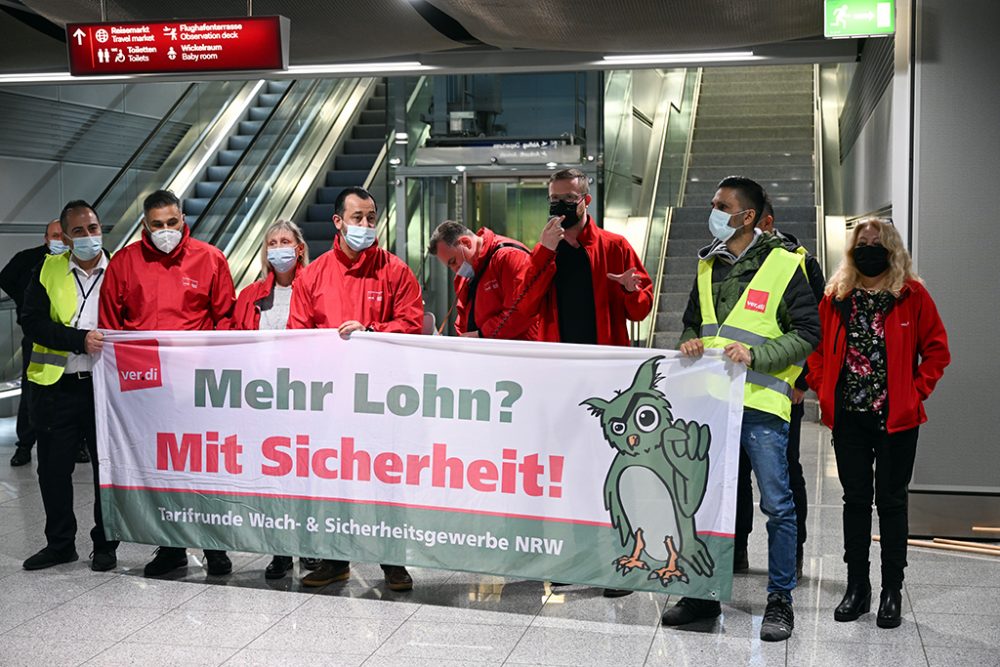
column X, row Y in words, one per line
column 127, row 167
column 239, row 162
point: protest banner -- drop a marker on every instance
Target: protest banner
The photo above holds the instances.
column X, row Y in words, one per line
column 608, row 466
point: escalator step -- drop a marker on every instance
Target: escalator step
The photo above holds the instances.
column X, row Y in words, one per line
column 206, row 189
column 194, row 206
column 376, row 104
column 228, row 158
column 191, row 220
column 239, row 142
column 318, row 231
column 345, row 178
column 369, row 131
column 373, row 117
column 250, row 126
column 218, row 173
column 317, row 248
column 363, row 146
column 268, row 99
column 328, row 195
column 354, row 162
column 277, row 86
column 380, row 90
column 260, row 113
column 319, row 213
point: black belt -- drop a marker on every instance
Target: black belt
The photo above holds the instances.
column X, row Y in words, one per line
column 79, row 376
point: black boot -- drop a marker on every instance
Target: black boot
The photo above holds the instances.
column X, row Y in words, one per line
column 890, row 608
column 857, row 600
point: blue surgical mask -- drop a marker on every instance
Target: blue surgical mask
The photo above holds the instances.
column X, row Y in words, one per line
column 281, row 259
column 466, row 271
column 359, row 237
column 87, row 248
column 718, row 224
column 57, row 247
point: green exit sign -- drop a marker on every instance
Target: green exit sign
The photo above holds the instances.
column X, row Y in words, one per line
column 859, row 18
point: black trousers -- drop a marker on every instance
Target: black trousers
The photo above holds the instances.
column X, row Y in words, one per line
column 872, row 463
column 25, row 430
column 64, row 416
column 796, row 479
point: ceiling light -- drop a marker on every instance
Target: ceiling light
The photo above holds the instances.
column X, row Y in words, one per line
column 361, row 68
column 670, row 58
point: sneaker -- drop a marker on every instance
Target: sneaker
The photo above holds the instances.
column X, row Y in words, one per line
column 741, row 562
column 779, row 619
column 310, row 563
column 102, row 561
column 48, row 558
column 689, row 610
column 328, row 572
column 397, row 578
column 278, row 567
column 22, row 457
column 82, row 456
column 217, row 563
column 167, row 559
column 616, row 592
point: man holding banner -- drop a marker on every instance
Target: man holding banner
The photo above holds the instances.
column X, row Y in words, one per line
column 357, row 286
column 168, row 281
column 751, row 299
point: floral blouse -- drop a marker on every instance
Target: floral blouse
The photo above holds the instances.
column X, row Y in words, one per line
column 864, row 384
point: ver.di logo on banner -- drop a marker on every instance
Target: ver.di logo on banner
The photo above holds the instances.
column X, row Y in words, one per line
column 138, row 363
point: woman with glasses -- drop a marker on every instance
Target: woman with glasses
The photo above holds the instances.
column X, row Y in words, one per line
column 883, row 349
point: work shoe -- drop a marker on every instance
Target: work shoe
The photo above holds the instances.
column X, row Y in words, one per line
column 328, row 572
column 857, row 600
column 689, row 610
column 310, row 563
column 47, row 558
column 779, row 619
column 616, row 592
column 102, row 561
column 82, row 456
column 397, row 578
column 278, row 567
column 167, row 559
column 890, row 608
column 217, row 563
column 22, row 456
column 741, row 561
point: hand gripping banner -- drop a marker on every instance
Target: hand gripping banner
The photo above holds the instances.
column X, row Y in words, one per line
column 608, row 466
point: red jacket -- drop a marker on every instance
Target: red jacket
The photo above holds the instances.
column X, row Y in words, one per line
column 498, row 287
column 916, row 349
column 246, row 314
column 608, row 253
column 378, row 289
column 144, row 289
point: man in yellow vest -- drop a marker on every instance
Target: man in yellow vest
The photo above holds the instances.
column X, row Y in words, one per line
column 751, row 300
column 60, row 316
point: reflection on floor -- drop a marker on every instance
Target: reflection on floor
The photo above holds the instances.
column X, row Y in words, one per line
column 69, row 615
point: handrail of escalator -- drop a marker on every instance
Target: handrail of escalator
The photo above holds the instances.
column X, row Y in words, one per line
column 204, row 230
column 142, row 147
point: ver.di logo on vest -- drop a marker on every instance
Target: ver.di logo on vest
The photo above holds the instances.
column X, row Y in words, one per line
column 138, row 364
column 756, row 300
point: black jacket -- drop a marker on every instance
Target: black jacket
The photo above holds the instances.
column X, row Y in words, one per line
column 817, row 283
column 15, row 276
column 36, row 320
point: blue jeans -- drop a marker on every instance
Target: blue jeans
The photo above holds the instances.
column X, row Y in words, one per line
column 764, row 438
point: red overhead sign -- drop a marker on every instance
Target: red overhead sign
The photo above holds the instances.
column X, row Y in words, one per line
column 168, row 47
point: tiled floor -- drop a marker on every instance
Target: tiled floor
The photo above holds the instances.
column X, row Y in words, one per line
column 69, row 615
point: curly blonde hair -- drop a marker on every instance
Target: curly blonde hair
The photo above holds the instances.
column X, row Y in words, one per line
column 847, row 277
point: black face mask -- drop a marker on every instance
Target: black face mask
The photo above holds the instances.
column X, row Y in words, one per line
column 871, row 260
column 558, row 208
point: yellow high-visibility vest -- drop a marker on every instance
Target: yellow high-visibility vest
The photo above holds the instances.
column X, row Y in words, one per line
column 752, row 321
column 47, row 365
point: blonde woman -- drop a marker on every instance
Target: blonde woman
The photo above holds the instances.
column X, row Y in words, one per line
column 263, row 305
column 884, row 348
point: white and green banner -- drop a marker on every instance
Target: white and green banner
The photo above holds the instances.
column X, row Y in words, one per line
column 581, row 464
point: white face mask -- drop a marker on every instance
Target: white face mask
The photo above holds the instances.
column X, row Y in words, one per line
column 87, row 248
column 359, row 237
column 466, row 271
column 281, row 259
column 718, row 224
column 57, row 247
column 166, row 240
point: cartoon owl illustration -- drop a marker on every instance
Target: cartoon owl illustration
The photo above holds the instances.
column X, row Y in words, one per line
column 657, row 479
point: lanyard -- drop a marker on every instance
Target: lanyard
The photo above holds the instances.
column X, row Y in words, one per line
column 85, row 293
